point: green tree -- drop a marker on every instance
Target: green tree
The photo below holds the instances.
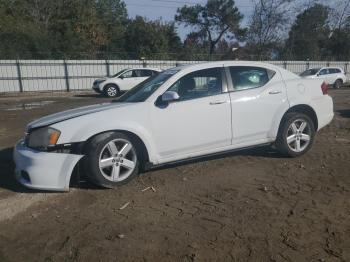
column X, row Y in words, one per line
column 213, row 21
column 151, row 39
column 57, row 29
column 339, row 43
column 309, row 34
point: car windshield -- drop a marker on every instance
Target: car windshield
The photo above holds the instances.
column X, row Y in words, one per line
column 119, row 73
column 310, row 72
column 145, row 89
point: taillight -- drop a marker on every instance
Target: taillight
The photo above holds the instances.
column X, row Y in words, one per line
column 324, row 88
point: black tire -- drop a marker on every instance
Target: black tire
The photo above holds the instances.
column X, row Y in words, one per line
column 96, row 148
column 284, row 131
column 111, row 90
column 338, row 84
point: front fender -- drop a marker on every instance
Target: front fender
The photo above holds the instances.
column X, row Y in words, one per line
column 82, row 128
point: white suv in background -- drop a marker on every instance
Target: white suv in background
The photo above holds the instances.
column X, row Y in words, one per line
column 122, row 81
column 331, row 75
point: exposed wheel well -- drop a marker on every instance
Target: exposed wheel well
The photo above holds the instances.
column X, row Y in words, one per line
column 76, row 175
column 304, row 109
column 339, row 79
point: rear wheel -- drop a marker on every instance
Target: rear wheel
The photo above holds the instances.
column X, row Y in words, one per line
column 296, row 134
column 112, row 160
column 338, row 84
column 111, row 90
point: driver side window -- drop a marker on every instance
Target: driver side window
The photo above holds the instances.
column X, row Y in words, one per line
column 127, row 74
column 202, row 83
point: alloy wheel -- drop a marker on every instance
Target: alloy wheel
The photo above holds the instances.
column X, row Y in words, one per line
column 298, row 135
column 112, row 91
column 117, row 160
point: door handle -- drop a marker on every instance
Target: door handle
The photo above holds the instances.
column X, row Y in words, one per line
column 217, row 103
column 275, row 92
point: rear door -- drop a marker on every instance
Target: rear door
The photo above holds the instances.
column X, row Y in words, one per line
column 258, row 94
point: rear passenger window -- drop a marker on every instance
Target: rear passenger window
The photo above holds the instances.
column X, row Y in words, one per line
column 246, row 77
column 334, row 70
column 146, row 73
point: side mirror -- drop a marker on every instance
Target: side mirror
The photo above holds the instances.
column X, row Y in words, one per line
column 121, row 77
column 169, row 96
column 318, row 74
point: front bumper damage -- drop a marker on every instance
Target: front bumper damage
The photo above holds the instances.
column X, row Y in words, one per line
column 43, row 170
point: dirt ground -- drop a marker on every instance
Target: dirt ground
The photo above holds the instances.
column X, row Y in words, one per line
column 251, row 205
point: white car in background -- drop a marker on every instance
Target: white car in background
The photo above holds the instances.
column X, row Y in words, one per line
column 331, row 75
column 122, row 81
column 181, row 113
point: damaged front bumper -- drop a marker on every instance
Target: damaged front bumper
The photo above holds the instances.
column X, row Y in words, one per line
column 43, row 170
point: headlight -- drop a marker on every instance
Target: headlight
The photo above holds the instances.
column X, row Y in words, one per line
column 43, row 138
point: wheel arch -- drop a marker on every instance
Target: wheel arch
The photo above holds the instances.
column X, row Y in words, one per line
column 75, row 174
column 140, row 144
column 110, row 84
column 303, row 109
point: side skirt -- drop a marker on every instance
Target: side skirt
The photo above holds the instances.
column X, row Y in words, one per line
column 149, row 166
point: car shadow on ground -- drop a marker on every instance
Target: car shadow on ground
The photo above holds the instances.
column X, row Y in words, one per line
column 8, row 181
column 344, row 113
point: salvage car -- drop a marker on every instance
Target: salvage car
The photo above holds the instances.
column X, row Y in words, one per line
column 122, row 81
column 334, row 76
column 181, row 113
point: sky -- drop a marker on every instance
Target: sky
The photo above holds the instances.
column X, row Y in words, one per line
column 166, row 9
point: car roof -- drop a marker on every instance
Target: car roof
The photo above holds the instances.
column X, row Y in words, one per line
column 326, row 67
column 228, row 63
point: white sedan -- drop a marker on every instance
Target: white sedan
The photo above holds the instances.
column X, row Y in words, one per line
column 122, row 81
column 181, row 113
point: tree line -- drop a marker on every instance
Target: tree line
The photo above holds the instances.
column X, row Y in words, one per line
column 101, row 29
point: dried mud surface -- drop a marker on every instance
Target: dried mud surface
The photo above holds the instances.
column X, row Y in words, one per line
column 252, row 205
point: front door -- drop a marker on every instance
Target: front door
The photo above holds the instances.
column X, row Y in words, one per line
column 129, row 79
column 198, row 122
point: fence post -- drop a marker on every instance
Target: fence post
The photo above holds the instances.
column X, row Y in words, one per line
column 19, row 74
column 346, row 68
column 144, row 63
column 108, row 72
column 66, row 76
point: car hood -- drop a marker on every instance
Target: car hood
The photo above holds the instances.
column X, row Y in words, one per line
column 99, row 80
column 65, row 115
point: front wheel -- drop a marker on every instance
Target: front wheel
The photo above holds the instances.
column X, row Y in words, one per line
column 111, row 160
column 296, row 134
column 111, row 90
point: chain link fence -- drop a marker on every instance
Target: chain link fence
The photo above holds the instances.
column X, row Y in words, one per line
column 78, row 75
